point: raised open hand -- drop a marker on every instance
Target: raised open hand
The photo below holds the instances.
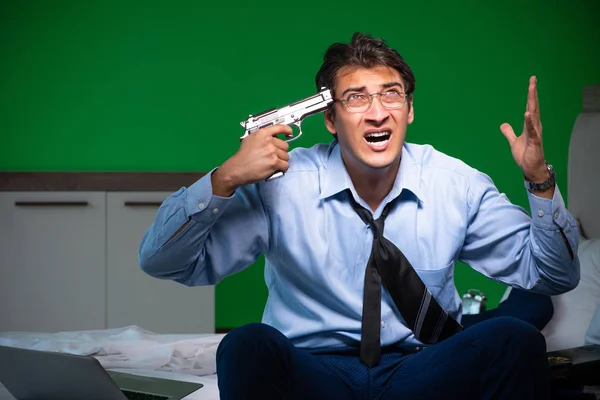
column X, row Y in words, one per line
column 527, row 148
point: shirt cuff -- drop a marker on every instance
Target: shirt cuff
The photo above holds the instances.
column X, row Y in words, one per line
column 201, row 205
column 548, row 213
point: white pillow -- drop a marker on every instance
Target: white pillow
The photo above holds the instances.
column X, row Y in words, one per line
column 574, row 310
column 593, row 334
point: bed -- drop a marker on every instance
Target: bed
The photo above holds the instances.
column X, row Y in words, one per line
column 192, row 357
column 132, row 349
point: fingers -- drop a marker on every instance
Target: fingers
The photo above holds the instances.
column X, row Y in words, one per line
column 533, row 105
column 508, row 133
column 279, row 129
column 532, row 124
column 281, row 144
column 283, row 166
column 276, row 149
column 280, row 161
column 282, row 154
column 276, row 130
column 263, row 153
column 531, row 129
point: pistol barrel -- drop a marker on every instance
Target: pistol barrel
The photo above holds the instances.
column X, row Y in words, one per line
column 291, row 113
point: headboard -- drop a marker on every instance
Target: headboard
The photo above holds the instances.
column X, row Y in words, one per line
column 584, row 166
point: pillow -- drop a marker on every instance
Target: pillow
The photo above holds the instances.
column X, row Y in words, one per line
column 593, row 333
column 574, row 310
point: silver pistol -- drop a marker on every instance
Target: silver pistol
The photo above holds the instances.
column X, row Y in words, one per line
column 292, row 114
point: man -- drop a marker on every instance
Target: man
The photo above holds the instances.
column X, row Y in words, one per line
column 341, row 320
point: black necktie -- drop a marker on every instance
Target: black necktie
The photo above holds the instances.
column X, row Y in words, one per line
column 425, row 317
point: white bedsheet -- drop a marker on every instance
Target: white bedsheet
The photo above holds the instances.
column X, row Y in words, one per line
column 129, row 347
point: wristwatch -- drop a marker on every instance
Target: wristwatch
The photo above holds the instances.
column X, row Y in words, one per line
column 540, row 187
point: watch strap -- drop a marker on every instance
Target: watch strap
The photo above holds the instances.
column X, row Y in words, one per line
column 548, row 183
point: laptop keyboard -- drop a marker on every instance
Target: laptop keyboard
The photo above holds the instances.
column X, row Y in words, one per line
column 142, row 396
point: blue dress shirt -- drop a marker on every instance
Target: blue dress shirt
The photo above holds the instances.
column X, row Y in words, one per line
column 316, row 247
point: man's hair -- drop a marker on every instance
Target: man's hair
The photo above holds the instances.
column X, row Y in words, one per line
column 366, row 52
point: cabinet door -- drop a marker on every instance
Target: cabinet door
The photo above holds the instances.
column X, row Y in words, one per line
column 52, row 261
column 135, row 298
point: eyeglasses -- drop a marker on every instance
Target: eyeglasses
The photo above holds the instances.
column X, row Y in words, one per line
column 361, row 102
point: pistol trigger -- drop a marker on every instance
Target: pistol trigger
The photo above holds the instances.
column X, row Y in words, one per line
column 299, row 125
column 245, row 135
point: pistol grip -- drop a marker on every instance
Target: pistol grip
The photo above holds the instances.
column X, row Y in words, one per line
column 275, row 175
column 299, row 125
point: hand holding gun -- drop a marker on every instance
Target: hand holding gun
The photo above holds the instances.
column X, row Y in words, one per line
column 262, row 154
column 292, row 114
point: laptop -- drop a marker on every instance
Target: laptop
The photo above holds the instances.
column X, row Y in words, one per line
column 36, row 374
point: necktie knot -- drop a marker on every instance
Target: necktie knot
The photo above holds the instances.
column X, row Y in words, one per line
column 367, row 217
column 378, row 227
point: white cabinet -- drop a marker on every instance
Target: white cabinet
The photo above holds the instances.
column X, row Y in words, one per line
column 68, row 261
column 52, row 261
column 135, row 298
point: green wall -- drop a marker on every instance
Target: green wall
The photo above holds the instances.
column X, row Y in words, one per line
column 156, row 86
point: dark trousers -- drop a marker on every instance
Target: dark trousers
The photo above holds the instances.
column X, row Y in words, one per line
column 496, row 358
column 537, row 309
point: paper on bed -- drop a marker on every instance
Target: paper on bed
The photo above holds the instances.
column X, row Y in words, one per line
column 129, row 347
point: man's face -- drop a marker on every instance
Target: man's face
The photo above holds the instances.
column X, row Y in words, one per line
column 370, row 140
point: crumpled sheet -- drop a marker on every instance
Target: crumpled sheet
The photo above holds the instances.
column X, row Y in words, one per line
column 128, row 347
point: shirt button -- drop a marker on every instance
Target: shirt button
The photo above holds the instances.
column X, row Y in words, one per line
column 215, row 210
column 201, row 206
column 383, row 324
column 540, row 213
column 556, row 215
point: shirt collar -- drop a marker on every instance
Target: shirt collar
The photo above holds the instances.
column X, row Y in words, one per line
column 334, row 177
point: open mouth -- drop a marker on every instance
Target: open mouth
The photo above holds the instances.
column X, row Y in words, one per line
column 378, row 139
